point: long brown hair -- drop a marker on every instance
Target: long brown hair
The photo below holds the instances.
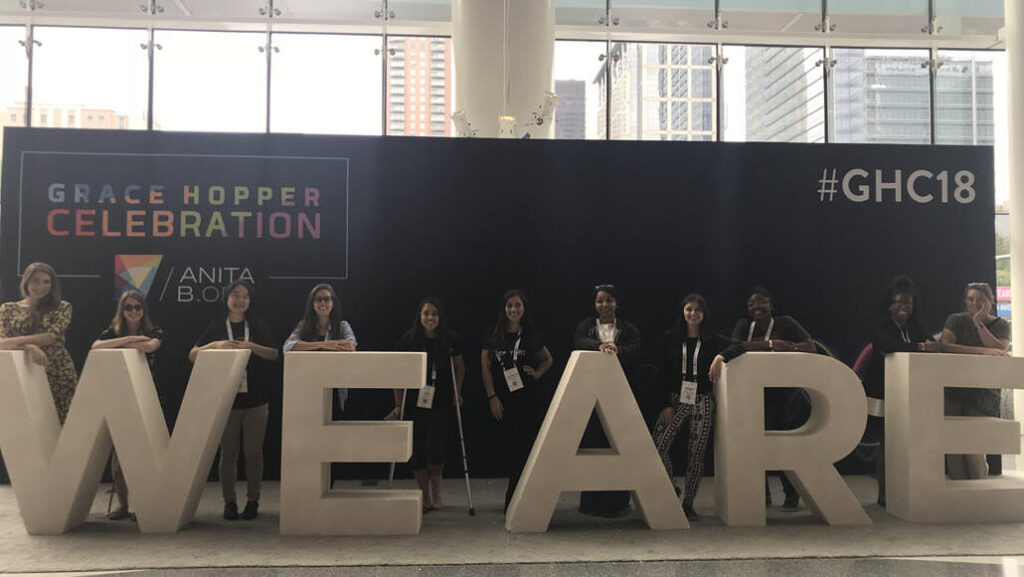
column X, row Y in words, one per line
column 48, row 303
column 310, row 323
column 120, row 323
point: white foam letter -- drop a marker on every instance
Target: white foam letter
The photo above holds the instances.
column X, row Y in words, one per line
column 55, row 472
column 311, row 441
column 557, row 464
column 744, row 450
column 918, row 436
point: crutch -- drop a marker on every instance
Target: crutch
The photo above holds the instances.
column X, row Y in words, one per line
column 462, row 438
column 401, row 417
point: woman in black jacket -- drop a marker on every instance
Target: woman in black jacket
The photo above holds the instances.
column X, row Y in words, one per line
column 609, row 334
column 690, row 361
column 898, row 331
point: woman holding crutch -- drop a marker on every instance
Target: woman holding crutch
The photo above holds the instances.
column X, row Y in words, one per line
column 431, row 407
column 512, row 362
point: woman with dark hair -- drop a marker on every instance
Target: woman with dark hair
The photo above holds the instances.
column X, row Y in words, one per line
column 431, row 407
column 240, row 328
column 36, row 324
column 607, row 333
column 512, row 361
column 322, row 329
column 764, row 331
column 898, row 331
column 976, row 331
column 691, row 360
column 131, row 328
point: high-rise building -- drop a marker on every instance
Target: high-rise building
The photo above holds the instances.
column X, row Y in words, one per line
column 784, row 93
column 419, row 97
column 571, row 110
column 659, row 92
column 64, row 116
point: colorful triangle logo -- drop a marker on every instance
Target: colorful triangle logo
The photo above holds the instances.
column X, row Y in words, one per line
column 135, row 272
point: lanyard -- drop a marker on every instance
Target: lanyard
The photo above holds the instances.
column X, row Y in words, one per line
column 903, row 333
column 515, row 351
column 767, row 334
column 231, row 335
column 696, row 357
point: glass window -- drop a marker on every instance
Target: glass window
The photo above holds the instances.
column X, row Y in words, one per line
column 956, row 17
column 783, row 16
column 421, row 10
column 664, row 105
column 409, row 58
column 880, row 95
column 14, row 79
column 579, row 83
column 350, row 10
column 579, row 12
column 111, row 7
column 964, row 98
column 307, row 93
column 878, row 16
column 773, row 94
column 192, row 91
column 679, row 14
column 103, row 71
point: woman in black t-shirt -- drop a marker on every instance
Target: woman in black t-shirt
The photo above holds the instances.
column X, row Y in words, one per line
column 513, row 359
column 239, row 328
column 431, row 407
column 131, row 328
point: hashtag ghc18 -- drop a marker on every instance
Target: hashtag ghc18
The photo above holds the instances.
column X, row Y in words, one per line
column 921, row 186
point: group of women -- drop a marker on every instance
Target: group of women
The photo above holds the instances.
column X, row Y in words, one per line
column 513, row 359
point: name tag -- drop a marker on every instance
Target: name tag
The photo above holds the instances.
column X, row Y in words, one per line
column 425, row 397
column 688, row 393
column 513, row 380
column 243, row 387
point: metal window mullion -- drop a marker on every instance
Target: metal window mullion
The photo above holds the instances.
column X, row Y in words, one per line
column 30, row 54
column 826, row 77
column 719, row 84
column 933, row 71
column 270, row 58
column 151, row 56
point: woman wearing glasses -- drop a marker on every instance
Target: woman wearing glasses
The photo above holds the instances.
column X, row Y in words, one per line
column 609, row 334
column 131, row 328
column 240, row 328
column 323, row 329
column 764, row 331
column 976, row 331
column 513, row 360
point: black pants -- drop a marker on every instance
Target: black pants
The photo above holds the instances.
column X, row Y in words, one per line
column 519, row 427
column 600, row 502
column 429, row 436
column 781, row 413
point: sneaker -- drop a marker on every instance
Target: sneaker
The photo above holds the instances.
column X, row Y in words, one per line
column 691, row 515
column 792, row 503
column 251, row 510
column 588, row 511
column 231, row 510
column 118, row 514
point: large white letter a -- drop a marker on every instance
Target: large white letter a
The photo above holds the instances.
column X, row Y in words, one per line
column 557, row 464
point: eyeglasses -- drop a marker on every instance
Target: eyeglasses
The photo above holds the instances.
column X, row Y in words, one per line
column 323, row 299
column 604, row 287
column 132, row 308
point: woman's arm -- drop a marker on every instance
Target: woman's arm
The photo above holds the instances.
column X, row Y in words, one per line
column 497, row 409
column 38, row 339
column 460, row 374
column 119, row 342
column 262, row 351
column 949, row 345
column 581, row 338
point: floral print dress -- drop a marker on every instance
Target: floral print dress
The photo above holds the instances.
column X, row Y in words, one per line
column 16, row 321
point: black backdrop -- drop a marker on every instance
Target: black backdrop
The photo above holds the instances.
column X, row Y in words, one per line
column 466, row 219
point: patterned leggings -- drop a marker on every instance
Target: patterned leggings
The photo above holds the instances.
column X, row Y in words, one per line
column 701, row 416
